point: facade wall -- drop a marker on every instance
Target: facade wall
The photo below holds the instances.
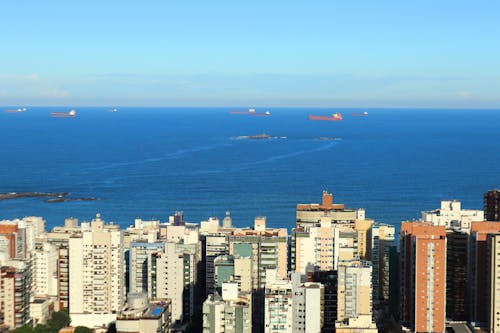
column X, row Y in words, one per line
column 494, row 283
column 423, row 270
column 492, row 205
column 97, row 268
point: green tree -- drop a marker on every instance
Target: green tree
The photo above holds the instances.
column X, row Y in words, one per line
column 59, row 320
column 23, row 329
column 82, row 329
column 42, row 329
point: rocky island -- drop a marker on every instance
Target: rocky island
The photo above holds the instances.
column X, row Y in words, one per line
column 51, row 196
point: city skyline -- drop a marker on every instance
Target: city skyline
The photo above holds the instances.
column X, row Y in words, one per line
column 356, row 54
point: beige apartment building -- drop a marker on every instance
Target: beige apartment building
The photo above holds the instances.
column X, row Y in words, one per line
column 96, row 271
column 15, row 293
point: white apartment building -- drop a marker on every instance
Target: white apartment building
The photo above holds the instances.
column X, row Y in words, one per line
column 214, row 246
column 45, row 278
column 96, row 273
column 308, row 305
column 230, row 312
column 322, row 247
column 452, row 216
column 354, row 303
column 173, row 276
column 139, row 261
column 278, row 304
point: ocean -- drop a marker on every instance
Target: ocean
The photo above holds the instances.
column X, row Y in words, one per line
column 150, row 162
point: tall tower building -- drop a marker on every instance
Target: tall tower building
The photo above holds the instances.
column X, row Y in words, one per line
column 478, row 271
column 456, row 275
column 173, row 275
column 492, row 205
column 96, row 270
column 494, row 283
column 15, row 293
column 382, row 245
column 278, row 304
column 452, row 216
column 230, row 312
column 308, row 215
column 214, row 245
column 267, row 247
column 308, row 305
column 45, row 277
column 423, row 274
column 139, row 257
column 354, row 311
column 329, row 281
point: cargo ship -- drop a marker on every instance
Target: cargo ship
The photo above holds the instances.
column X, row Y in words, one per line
column 15, row 110
column 70, row 114
column 362, row 114
column 334, row 117
column 113, row 110
column 250, row 111
column 267, row 113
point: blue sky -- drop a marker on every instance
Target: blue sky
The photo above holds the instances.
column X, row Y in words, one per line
column 251, row 53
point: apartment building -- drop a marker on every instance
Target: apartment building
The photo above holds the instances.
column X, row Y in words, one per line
column 354, row 292
column 228, row 312
column 96, row 270
column 423, row 274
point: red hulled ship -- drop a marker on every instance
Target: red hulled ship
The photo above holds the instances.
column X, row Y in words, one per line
column 334, row 117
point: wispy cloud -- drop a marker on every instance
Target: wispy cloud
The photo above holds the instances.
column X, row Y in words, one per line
column 55, row 93
column 30, row 88
column 464, row 94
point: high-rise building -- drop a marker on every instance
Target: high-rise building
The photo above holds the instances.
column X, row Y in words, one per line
column 15, row 293
column 18, row 236
column 59, row 237
column 364, row 236
column 45, row 277
column 214, row 245
column 96, row 270
column 313, row 249
column 228, row 312
column 452, row 216
column 478, row 292
column 139, row 257
column 308, row 215
column 233, row 269
column 423, row 274
column 321, row 248
column 329, row 281
column 13, row 240
column 382, row 244
column 278, row 303
column 354, row 292
column 307, row 305
column 293, row 305
column 142, row 231
column 456, row 275
column 173, row 276
column 494, row 283
column 492, row 205
column 267, row 247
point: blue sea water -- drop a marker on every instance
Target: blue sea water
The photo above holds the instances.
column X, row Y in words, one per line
column 150, row 162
